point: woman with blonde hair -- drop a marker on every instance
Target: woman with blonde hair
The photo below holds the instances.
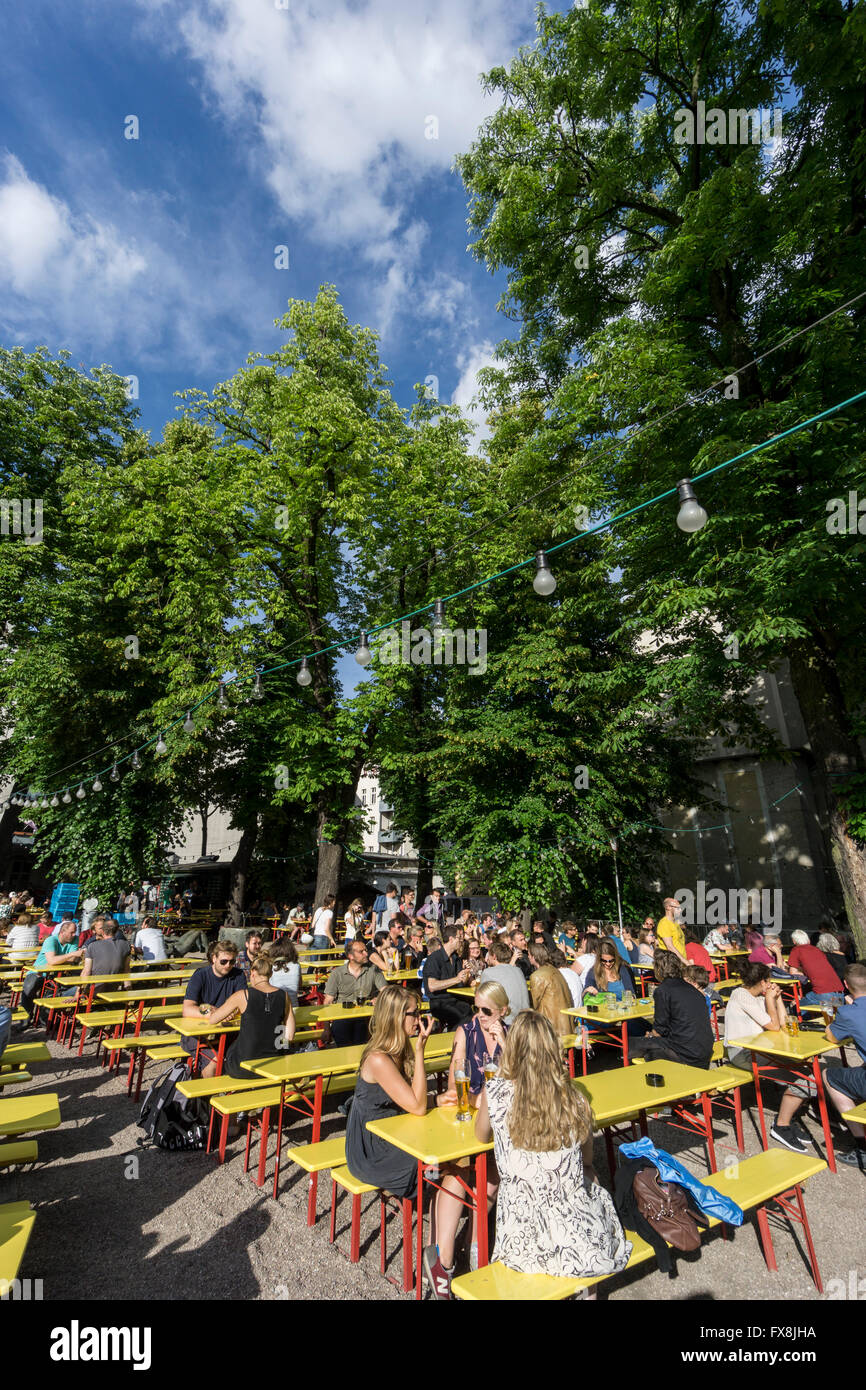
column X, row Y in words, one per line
column 481, row 1036
column 267, row 1018
column 353, row 920
column 391, row 1079
column 552, row 1216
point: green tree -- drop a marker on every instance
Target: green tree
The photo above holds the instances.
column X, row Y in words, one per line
column 646, row 273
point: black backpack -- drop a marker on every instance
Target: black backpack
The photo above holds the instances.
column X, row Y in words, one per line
column 170, row 1120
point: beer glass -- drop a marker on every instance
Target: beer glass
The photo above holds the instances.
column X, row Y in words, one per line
column 490, row 1068
column 464, row 1109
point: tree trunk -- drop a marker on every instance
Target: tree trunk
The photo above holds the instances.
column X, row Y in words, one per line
column 240, row 872
column 330, row 869
column 203, row 812
column 836, row 754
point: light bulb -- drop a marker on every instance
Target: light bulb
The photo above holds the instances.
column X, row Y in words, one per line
column 81, row 793
column 114, row 774
column 258, row 690
column 222, row 702
column 304, row 675
column 691, row 515
column 67, row 799
column 188, row 724
column 161, row 745
column 544, row 582
column 55, row 801
column 44, row 802
column 438, row 615
column 97, row 785
column 135, row 761
column 363, row 655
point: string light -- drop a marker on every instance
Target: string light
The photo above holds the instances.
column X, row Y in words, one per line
column 222, row 702
column 161, row 746
column 97, row 785
column 304, row 675
column 438, row 615
column 258, row 690
column 188, row 723
column 81, row 793
column 135, row 761
column 115, row 775
column 691, row 515
column 544, row 582
column 363, row 655
column 67, row 799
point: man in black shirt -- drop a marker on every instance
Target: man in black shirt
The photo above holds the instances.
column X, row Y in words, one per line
column 519, row 957
column 681, row 1031
column 441, row 971
column 209, row 987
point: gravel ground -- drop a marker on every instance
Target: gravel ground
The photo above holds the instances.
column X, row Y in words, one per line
column 118, row 1222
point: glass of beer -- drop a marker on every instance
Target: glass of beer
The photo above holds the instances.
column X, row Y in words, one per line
column 464, row 1109
column 490, row 1068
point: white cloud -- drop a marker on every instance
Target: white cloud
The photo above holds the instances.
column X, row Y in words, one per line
column 68, row 276
column 339, row 100
column 469, row 364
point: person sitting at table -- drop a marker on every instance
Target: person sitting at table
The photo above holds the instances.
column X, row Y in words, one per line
column 208, row 988
column 380, row 952
column 610, row 974
column 391, row 1079
column 755, row 1006
column 397, row 927
column 570, row 972
column 500, row 969
column 519, row 956
column 472, row 957
column 717, row 939
column 23, row 936
column 149, row 941
column 55, row 950
column 829, row 945
column 442, row 971
column 479, row 1037
column 108, row 956
column 416, row 950
column 846, row 1086
column 286, row 973
column 267, row 1018
column 646, row 945
column 566, row 939
column 770, row 953
column 825, row 986
column 355, row 981
column 698, row 954
column 681, row 1030
column 548, row 991
column 552, row 1216
column 252, row 946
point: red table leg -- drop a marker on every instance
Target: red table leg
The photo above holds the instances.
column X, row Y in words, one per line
column 481, row 1208
column 759, row 1098
column 625, row 1043
column 263, row 1145
column 317, row 1130
column 419, row 1259
column 816, row 1273
column 224, row 1134
column 708, row 1123
column 825, row 1118
column 766, row 1239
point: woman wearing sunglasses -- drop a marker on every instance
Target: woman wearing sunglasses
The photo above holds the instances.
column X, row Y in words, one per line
column 483, row 1035
column 391, row 1079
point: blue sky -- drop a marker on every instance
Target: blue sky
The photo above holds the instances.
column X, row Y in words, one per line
column 259, row 126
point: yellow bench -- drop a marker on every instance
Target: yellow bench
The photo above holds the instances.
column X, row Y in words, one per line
column 11, row 1078
column 751, row 1184
column 257, row 1101
column 22, row 1151
column 16, row 1223
column 17, row 1054
column 343, row 1180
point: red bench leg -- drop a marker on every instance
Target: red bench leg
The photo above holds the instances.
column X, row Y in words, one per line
column 766, row 1239
column 355, row 1237
column 407, row 1245
column 263, row 1145
column 333, row 1231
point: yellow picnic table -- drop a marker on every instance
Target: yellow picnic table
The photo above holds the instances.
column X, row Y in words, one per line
column 16, row 1223
column 26, row 1113
column 201, row 1027
column 438, row 1138
column 296, row 1067
column 792, row 1053
column 610, row 1020
column 724, row 958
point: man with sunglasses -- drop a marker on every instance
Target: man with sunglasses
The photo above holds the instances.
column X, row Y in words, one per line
column 209, row 987
column 355, row 981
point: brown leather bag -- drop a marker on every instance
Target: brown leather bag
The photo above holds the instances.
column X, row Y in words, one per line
column 665, row 1206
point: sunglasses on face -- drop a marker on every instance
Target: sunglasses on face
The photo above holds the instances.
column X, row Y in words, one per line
column 411, row 1013
column 224, row 960
column 481, row 1009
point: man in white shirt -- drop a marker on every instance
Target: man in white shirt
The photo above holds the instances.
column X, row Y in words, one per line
column 25, row 936
column 149, row 942
column 717, row 939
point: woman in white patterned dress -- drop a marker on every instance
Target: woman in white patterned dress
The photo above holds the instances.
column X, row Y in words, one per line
column 552, row 1215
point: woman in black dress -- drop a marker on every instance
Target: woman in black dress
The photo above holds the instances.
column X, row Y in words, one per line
column 391, row 1079
column 267, row 1018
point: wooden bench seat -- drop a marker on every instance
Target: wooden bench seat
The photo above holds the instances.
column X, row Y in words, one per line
column 16, row 1223
column 19, row 1151
column 770, row 1176
column 16, row 1054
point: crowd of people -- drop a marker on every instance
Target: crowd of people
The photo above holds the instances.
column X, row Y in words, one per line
column 552, row 1215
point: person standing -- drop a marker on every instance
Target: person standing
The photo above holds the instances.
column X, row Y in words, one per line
column 384, row 908
column 322, row 927
column 433, row 911
column 669, row 932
